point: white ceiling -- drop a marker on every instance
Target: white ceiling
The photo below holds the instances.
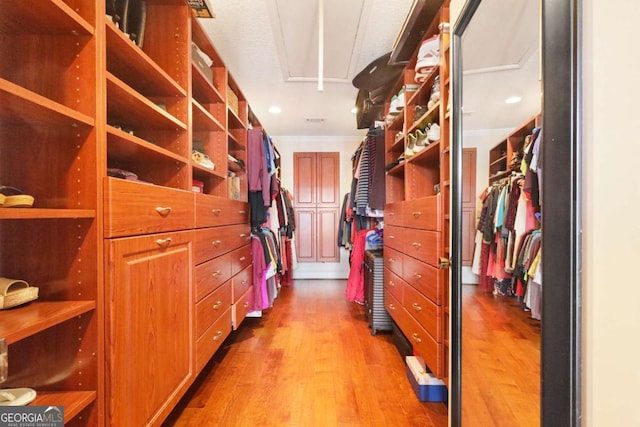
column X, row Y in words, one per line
column 500, row 59
column 271, row 49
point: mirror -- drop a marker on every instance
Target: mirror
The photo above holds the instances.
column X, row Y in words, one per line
column 506, row 369
column 501, row 238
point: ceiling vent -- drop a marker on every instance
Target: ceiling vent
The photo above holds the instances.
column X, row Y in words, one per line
column 314, row 120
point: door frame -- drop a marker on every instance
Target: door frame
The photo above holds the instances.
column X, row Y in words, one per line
column 561, row 198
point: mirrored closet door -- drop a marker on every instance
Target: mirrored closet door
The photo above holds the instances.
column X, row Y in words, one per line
column 498, row 351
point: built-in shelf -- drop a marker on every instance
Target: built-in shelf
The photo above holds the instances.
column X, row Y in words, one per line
column 127, row 61
column 22, row 322
column 20, row 105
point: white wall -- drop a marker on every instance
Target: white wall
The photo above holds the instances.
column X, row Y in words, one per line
column 346, row 146
column 611, row 203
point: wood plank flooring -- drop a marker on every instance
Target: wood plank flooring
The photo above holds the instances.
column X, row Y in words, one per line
column 500, row 362
column 309, row 361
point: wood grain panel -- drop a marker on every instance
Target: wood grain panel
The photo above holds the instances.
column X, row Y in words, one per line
column 424, row 277
column 212, row 339
column 327, row 220
column 132, row 208
column 394, row 237
column 306, row 234
column 215, row 241
column 212, row 274
column 327, row 180
column 212, row 307
column 212, row 211
column 304, row 188
column 422, row 213
column 150, row 306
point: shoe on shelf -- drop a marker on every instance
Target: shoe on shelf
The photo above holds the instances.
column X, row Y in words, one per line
column 408, row 152
column 419, row 112
column 13, row 197
column 428, row 55
column 421, row 141
column 400, row 104
column 202, row 159
column 434, row 132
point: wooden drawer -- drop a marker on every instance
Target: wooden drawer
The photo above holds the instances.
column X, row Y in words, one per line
column 241, row 308
column 393, row 214
column 392, row 305
column 241, row 282
column 422, row 244
column 423, row 344
column 240, row 259
column 423, row 277
column 215, row 241
column 392, row 260
column 424, row 311
column 422, row 213
column 212, row 306
column 211, row 274
column 394, row 237
column 212, row 338
column 212, row 211
column 394, row 284
column 132, row 208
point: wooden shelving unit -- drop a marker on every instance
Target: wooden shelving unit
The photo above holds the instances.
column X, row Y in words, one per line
column 417, row 194
column 79, row 99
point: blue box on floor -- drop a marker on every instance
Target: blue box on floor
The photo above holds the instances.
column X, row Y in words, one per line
column 427, row 387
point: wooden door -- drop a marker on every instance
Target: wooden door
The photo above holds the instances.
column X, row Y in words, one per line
column 317, row 205
column 149, row 326
column 468, row 204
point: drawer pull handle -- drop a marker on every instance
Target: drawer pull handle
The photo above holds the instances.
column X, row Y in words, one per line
column 243, row 235
column 391, row 213
column 216, row 243
column 242, row 258
column 417, row 214
column 242, row 212
column 416, row 307
column 216, row 273
column 392, row 237
column 163, row 210
column 246, row 304
column 416, row 245
column 216, row 211
column 417, row 275
column 217, row 336
column 164, row 242
column 391, row 283
column 392, row 307
column 244, row 282
column 416, row 337
column 392, row 260
column 217, row 305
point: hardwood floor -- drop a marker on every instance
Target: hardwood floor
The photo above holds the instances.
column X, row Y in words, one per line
column 500, row 362
column 309, row 361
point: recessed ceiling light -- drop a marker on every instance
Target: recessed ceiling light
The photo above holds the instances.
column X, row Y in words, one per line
column 513, row 100
column 274, row 109
column 354, row 110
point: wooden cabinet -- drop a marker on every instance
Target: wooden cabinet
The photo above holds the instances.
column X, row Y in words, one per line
column 149, row 299
column 115, row 259
column 416, row 247
column 317, row 206
column 49, row 143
